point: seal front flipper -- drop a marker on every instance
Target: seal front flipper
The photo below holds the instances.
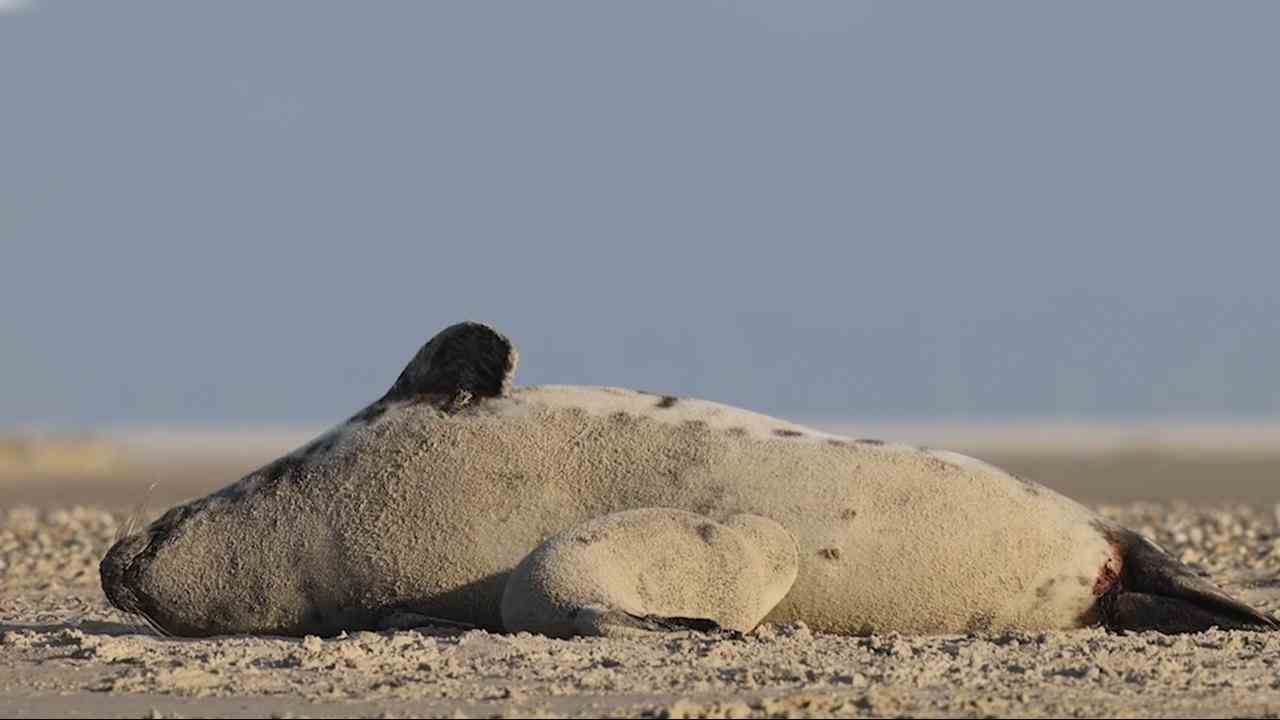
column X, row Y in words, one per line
column 698, row 625
column 469, row 357
column 673, row 624
column 600, row 621
column 463, row 362
column 652, row 570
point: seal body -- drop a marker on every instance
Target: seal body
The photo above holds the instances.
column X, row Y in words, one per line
column 427, row 500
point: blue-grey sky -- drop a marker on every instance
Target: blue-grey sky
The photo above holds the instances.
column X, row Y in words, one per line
column 255, row 212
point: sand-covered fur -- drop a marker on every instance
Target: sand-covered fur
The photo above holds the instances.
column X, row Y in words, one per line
column 432, row 511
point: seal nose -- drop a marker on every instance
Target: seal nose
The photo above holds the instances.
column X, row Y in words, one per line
column 114, row 571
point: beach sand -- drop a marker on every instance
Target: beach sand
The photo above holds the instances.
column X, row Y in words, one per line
column 65, row 652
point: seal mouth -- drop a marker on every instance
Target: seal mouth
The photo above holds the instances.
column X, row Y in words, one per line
column 1152, row 591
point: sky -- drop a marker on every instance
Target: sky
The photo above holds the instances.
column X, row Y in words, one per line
column 255, row 213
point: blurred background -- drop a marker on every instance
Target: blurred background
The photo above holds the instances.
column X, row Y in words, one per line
column 968, row 222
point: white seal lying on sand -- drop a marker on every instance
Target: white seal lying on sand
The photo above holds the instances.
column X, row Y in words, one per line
column 426, row 500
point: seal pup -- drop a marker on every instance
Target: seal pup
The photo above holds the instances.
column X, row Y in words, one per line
column 652, row 569
column 424, row 501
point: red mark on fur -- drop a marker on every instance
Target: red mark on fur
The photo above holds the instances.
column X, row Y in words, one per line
column 1109, row 573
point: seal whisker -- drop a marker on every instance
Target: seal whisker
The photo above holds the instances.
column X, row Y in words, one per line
column 155, row 626
column 136, row 518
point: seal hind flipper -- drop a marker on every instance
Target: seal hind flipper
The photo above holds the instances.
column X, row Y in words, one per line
column 468, row 357
column 1139, row 611
column 1156, row 592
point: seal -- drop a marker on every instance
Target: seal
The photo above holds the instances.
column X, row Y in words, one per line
column 652, row 569
column 426, row 500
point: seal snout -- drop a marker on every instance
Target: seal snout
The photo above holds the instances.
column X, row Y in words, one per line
column 114, row 570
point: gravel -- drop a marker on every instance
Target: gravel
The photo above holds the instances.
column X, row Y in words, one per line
column 64, row 651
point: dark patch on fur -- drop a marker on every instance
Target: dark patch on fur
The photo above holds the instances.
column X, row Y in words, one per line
column 707, row 532
column 281, row 468
column 327, row 443
column 848, row 514
column 170, row 520
column 316, row 617
column 457, row 402
column 674, row 475
column 979, row 623
column 869, row 441
column 667, row 401
column 838, row 443
column 712, row 503
column 1121, row 537
column 737, row 431
column 1042, row 592
column 830, row 553
column 369, row 414
column 1083, row 580
column 936, row 462
column 784, row 432
column 1032, row 487
column 320, row 446
column 465, row 357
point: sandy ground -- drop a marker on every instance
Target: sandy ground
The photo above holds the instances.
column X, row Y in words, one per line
column 65, row 652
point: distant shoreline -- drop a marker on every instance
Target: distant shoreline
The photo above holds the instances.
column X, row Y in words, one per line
column 1235, row 436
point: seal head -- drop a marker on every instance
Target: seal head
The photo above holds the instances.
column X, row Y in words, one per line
column 178, row 576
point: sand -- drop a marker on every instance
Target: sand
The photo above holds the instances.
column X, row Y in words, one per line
column 65, row 652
